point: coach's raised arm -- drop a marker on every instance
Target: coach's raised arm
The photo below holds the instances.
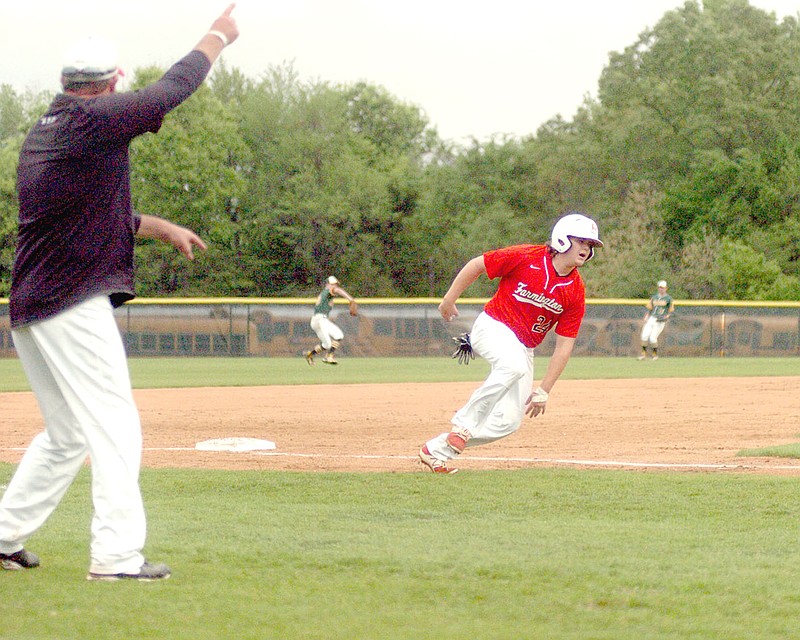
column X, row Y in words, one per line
column 223, row 32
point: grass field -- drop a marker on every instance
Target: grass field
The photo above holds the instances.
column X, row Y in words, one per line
column 536, row 553
column 152, row 373
column 523, row 554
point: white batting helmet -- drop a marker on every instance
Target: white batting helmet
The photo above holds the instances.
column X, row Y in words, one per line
column 575, row 225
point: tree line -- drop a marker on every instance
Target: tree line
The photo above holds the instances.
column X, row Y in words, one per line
column 688, row 158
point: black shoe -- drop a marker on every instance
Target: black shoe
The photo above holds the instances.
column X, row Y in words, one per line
column 147, row 573
column 20, row 560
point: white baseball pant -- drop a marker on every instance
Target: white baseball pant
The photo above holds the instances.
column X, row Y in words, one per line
column 496, row 408
column 651, row 330
column 77, row 368
column 326, row 330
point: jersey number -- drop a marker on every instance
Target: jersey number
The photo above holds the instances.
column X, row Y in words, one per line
column 542, row 325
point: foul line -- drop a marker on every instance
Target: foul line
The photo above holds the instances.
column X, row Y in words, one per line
column 579, row 463
column 549, row 461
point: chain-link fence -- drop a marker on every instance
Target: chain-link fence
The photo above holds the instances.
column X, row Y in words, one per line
column 389, row 327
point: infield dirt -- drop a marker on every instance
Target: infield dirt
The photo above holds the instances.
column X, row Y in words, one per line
column 681, row 424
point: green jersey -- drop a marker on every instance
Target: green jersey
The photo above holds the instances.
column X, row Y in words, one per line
column 660, row 306
column 324, row 304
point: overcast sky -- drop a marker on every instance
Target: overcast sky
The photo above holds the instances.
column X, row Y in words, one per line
column 475, row 68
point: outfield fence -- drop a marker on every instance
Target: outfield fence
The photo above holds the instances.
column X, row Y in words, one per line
column 279, row 327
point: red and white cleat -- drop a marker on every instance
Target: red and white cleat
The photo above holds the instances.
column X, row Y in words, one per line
column 434, row 464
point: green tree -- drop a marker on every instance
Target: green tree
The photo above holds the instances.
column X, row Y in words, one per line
column 393, row 128
column 17, row 115
column 483, row 197
column 721, row 77
column 335, row 175
column 12, row 112
column 635, row 255
column 9, row 153
column 745, row 274
column 724, row 269
column 190, row 173
column 706, row 107
column 698, row 260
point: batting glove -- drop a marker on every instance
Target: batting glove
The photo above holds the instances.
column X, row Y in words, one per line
column 463, row 350
column 539, row 395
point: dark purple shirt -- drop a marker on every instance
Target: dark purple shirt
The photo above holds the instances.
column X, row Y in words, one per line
column 76, row 225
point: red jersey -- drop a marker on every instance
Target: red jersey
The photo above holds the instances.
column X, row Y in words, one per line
column 532, row 298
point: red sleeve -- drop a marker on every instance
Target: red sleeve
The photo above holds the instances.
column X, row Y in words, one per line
column 570, row 323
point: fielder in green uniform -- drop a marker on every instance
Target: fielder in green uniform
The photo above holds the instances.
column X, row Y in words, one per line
column 659, row 309
column 329, row 334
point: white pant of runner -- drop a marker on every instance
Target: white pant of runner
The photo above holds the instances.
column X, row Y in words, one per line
column 651, row 330
column 326, row 330
column 496, row 408
column 77, row 368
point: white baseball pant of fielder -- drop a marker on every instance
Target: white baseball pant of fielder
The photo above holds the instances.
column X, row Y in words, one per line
column 326, row 330
column 651, row 330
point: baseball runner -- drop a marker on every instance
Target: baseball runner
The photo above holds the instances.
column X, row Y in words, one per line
column 329, row 334
column 539, row 289
column 659, row 308
column 73, row 265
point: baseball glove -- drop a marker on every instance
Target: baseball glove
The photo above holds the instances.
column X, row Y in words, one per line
column 463, row 350
column 353, row 308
